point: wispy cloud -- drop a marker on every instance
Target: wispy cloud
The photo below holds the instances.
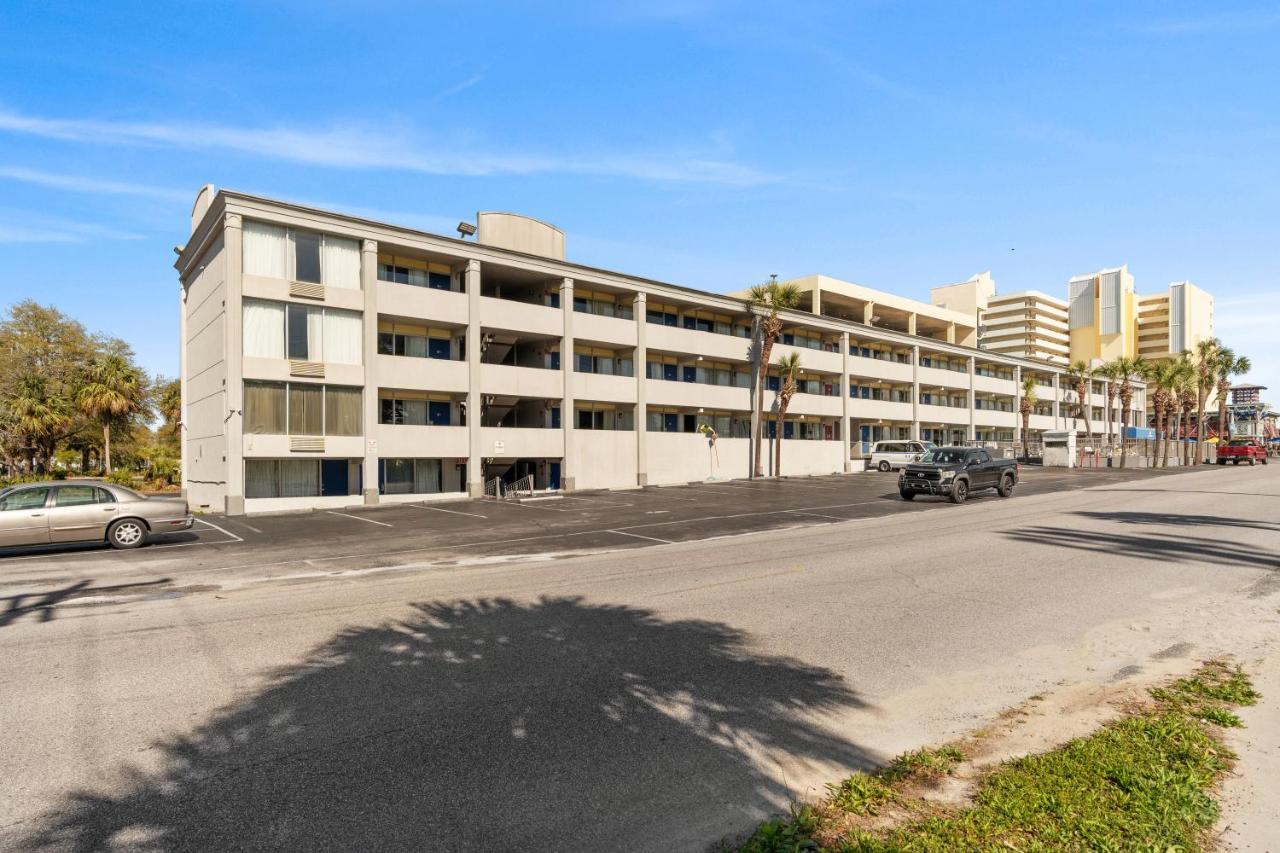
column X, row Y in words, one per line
column 355, row 147
column 462, row 85
column 18, row 226
column 77, row 183
column 1223, row 22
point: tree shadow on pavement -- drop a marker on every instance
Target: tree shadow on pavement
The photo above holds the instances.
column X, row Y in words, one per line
column 43, row 605
column 1176, row 548
column 1178, row 519
column 485, row 725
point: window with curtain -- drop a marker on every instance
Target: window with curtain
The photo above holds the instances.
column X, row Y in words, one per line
column 341, row 410
column 299, row 478
column 343, row 336
column 397, row 476
column 264, row 408
column 303, row 332
column 261, row 478
column 306, row 409
column 263, row 329
column 426, row 476
column 265, row 250
column 341, row 262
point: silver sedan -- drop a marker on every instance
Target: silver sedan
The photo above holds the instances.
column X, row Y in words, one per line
column 86, row 511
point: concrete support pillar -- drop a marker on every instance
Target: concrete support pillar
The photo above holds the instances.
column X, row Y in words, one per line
column 475, row 400
column 868, row 313
column 369, row 284
column 233, row 249
column 567, row 418
column 951, row 333
column 846, row 431
column 1017, row 403
column 182, row 384
column 1057, row 401
column 641, row 360
column 973, row 411
column 915, row 392
column 911, row 323
column 817, row 300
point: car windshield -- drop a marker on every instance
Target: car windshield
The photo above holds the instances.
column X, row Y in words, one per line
column 943, row 456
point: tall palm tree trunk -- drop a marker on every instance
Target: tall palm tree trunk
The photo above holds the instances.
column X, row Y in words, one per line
column 766, row 349
column 1202, row 452
column 106, row 446
column 777, row 442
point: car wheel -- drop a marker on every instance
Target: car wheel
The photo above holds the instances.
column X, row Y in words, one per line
column 959, row 492
column 907, row 496
column 1235, row 461
column 1005, row 489
column 127, row 533
column 884, row 465
column 1264, row 460
column 1222, row 462
column 1251, row 462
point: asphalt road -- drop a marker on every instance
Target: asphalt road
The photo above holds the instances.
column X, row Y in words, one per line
column 599, row 676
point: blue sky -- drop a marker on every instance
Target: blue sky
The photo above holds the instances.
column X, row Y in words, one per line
column 900, row 145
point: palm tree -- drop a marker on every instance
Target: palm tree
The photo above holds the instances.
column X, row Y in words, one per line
column 1161, row 377
column 1206, row 360
column 1229, row 365
column 40, row 416
column 114, row 390
column 1126, row 370
column 788, row 370
column 772, row 297
column 1025, row 407
column 1080, row 375
column 1184, row 401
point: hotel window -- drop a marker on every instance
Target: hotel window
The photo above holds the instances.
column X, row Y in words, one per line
column 419, row 343
column 401, row 272
column 304, row 332
column 299, row 478
column 410, row 476
column 410, row 412
column 291, row 408
column 273, row 251
column 590, row 417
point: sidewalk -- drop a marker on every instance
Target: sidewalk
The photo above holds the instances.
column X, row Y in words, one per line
column 1250, row 820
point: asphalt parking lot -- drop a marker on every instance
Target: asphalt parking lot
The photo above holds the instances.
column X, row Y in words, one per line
column 224, row 550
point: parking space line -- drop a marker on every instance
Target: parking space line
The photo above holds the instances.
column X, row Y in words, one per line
column 450, row 511
column 532, row 506
column 816, row 514
column 223, row 530
column 358, row 518
column 638, row 536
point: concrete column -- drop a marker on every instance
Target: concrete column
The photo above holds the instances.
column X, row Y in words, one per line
column 951, row 333
column 817, row 300
column 475, row 472
column 642, row 375
column 1017, row 403
column 233, row 428
column 569, row 462
column 911, row 324
column 182, row 383
column 868, row 313
column 973, row 412
column 846, row 433
column 369, row 283
column 915, row 392
column 1057, row 401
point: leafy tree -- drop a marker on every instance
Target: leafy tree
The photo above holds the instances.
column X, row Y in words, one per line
column 1080, row 374
column 788, row 370
column 1025, row 407
column 1206, row 361
column 1228, row 365
column 114, row 391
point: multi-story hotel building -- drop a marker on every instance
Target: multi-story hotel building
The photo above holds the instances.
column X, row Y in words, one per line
column 1028, row 324
column 328, row 359
column 1169, row 323
column 1109, row 320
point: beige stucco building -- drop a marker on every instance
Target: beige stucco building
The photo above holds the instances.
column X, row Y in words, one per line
column 329, row 359
column 1028, row 324
column 1169, row 323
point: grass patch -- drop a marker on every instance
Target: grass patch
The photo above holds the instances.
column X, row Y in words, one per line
column 1142, row 782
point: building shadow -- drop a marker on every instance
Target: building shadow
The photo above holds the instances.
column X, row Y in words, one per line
column 1179, row 519
column 43, row 605
column 485, row 725
column 1174, row 548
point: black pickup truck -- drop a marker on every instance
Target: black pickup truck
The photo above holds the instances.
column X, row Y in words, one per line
column 957, row 472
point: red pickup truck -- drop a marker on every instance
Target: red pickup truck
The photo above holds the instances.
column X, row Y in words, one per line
column 1239, row 450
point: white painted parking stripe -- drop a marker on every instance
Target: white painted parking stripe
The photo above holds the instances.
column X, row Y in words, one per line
column 358, row 518
column 450, row 511
column 816, row 514
column 524, row 505
column 222, row 530
column 638, row 536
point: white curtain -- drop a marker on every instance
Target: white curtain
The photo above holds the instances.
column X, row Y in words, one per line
column 343, row 336
column 265, row 250
column 260, row 478
column 426, row 477
column 341, row 262
column 315, row 334
column 263, row 329
column 299, row 478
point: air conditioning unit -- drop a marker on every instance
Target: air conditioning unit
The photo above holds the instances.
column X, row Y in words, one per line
column 312, row 369
column 306, row 290
column 307, row 443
